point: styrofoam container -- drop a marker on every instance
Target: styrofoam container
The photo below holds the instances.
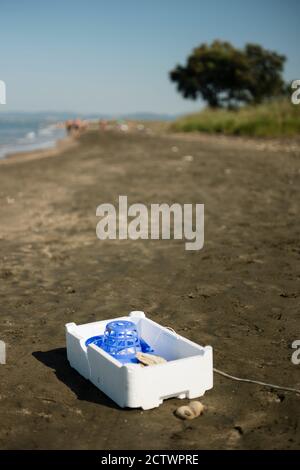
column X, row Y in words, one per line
column 187, row 374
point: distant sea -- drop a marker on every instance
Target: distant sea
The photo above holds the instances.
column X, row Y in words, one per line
column 26, row 132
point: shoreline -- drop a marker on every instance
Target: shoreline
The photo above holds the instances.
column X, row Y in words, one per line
column 60, row 146
column 262, row 145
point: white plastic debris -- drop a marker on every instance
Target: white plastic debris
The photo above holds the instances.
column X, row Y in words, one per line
column 188, row 158
column 188, row 372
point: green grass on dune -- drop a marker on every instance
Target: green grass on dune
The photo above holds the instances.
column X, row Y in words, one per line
column 275, row 119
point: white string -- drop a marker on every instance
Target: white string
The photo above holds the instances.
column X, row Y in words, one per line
column 251, row 381
column 154, row 342
column 264, row 384
column 171, row 329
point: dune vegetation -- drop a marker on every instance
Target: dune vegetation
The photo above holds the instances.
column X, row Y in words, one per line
column 276, row 118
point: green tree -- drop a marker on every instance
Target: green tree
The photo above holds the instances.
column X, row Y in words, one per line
column 265, row 73
column 225, row 76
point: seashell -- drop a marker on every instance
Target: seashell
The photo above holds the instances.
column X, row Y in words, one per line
column 196, row 407
column 190, row 411
column 149, row 359
column 185, row 412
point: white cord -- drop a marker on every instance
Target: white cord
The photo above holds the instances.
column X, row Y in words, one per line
column 239, row 379
column 264, row 384
column 171, row 329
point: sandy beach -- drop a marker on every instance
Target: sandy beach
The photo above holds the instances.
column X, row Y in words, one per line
column 240, row 293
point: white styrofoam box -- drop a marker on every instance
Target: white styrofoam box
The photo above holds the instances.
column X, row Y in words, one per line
column 187, row 374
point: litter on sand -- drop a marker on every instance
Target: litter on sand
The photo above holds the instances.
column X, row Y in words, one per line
column 111, row 353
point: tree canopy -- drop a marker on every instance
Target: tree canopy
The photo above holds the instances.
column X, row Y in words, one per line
column 225, row 76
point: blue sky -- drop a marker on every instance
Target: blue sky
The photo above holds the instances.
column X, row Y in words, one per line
column 114, row 56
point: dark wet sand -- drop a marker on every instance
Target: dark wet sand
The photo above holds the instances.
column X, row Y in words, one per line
column 241, row 293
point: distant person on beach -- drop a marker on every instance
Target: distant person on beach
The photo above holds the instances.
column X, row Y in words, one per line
column 75, row 127
column 102, row 124
column 68, row 125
